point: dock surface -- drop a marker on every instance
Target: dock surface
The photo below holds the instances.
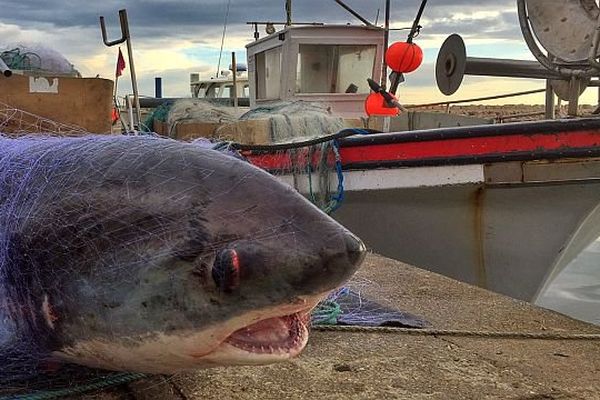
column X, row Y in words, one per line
column 354, row 365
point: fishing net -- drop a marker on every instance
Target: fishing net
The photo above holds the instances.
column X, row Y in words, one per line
column 37, row 58
column 278, row 122
column 16, row 122
column 294, row 121
column 196, row 110
column 160, row 114
column 351, row 306
column 188, row 111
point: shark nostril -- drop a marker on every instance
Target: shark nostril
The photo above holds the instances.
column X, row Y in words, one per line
column 226, row 270
column 356, row 249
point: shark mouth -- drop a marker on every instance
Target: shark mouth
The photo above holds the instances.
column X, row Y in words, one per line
column 286, row 335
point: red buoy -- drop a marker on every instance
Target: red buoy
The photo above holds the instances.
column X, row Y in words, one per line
column 404, row 57
column 375, row 105
column 114, row 115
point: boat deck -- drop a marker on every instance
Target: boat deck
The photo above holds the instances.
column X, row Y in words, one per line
column 342, row 365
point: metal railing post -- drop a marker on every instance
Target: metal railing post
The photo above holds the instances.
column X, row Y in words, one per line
column 125, row 37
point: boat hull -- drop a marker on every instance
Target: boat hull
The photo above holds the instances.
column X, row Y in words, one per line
column 506, row 238
column 505, row 207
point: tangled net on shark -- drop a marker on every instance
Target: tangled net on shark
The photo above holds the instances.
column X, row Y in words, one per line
column 148, row 255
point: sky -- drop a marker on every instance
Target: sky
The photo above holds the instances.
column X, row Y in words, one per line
column 172, row 39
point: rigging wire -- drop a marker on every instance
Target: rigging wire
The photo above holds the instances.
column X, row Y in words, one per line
column 223, row 37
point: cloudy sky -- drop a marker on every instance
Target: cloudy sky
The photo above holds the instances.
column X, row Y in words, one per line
column 173, row 38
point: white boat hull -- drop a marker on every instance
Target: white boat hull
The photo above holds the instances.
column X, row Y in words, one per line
column 508, row 227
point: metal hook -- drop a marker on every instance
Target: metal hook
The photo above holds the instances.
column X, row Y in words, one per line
column 124, row 29
column 125, row 37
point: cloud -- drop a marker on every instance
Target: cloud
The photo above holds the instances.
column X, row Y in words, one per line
column 193, row 18
column 173, row 38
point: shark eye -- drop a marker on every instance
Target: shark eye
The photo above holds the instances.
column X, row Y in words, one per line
column 226, row 270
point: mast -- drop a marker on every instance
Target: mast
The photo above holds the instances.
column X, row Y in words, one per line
column 288, row 12
column 386, row 39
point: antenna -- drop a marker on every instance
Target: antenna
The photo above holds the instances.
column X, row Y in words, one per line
column 351, row 11
column 223, row 37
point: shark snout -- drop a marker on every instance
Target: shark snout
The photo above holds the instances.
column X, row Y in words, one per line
column 321, row 266
column 355, row 249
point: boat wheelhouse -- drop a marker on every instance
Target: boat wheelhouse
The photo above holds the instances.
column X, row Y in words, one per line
column 324, row 63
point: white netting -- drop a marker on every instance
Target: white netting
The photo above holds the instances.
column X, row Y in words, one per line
column 36, row 57
column 296, row 120
column 279, row 122
column 197, row 110
column 16, row 122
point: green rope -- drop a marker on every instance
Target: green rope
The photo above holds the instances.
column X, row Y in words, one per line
column 326, row 313
column 97, row 384
column 14, row 59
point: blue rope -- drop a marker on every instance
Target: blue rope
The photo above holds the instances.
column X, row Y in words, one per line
column 359, row 131
column 338, row 198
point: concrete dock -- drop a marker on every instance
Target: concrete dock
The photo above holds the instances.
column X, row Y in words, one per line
column 352, row 365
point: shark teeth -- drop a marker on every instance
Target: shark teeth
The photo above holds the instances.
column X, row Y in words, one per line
column 273, row 335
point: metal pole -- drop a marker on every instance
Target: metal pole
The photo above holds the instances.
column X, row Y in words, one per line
column 234, row 69
column 549, row 114
column 508, row 68
column 386, row 43
column 136, row 96
column 158, row 87
column 288, row 12
column 130, row 111
column 573, row 108
column 415, row 26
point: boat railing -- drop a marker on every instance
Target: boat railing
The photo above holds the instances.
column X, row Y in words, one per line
column 449, row 103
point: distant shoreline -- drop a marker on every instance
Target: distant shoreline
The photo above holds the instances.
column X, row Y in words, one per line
column 507, row 112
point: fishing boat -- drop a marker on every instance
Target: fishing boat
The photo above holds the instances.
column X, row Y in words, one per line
column 220, row 88
column 505, row 207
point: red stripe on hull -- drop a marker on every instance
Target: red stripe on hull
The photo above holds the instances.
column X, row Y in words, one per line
column 477, row 146
column 444, row 148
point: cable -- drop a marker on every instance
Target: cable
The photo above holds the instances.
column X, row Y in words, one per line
column 223, row 37
column 461, row 333
column 296, row 145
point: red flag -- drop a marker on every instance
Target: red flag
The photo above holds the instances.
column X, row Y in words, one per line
column 120, row 64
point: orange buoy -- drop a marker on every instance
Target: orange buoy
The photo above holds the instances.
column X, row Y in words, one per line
column 404, row 57
column 375, row 106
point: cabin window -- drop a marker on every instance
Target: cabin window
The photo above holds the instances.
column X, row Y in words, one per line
column 334, row 68
column 268, row 74
column 227, row 92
